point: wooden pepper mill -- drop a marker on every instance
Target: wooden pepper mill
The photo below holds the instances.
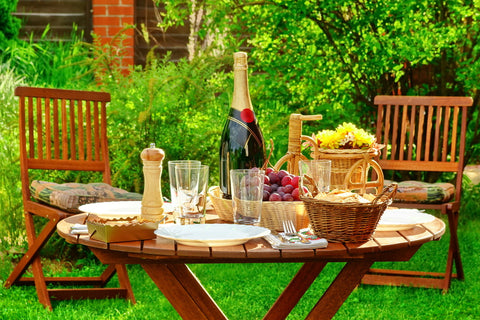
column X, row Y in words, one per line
column 152, row 202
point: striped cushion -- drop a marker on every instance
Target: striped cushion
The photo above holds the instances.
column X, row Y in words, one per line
column 422, row 192
column 70, row 196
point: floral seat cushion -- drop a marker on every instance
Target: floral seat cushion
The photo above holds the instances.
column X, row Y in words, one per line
column 70, row 196
column 422, row 192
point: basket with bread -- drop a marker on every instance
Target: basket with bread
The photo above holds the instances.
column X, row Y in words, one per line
column 345, row 216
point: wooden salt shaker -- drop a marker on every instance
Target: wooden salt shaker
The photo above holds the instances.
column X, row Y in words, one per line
column 152, row 202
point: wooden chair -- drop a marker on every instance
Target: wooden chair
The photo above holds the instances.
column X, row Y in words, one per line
column 424, row 134
column 61, row 130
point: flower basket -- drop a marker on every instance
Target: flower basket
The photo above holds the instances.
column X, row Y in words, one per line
column 347, row 222
column 273, row 212
column 349, row 166
column 351, row 151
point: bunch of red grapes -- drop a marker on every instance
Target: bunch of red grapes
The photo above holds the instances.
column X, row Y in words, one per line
column 280, row 186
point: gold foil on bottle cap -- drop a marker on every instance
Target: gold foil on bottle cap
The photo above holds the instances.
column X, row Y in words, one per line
column 240, row 60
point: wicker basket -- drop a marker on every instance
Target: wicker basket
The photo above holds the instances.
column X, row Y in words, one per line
column 273, row 213
column 342, row 161
column 347, row 222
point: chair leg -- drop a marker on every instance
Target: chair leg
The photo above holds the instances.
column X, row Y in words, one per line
column 453, row 253
column 454, row 244
column 436, row 280
column 40, row 284
column 35, row 244
column 447, row 280
column 45, row 295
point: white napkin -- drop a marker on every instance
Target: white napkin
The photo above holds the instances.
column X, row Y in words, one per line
column 79, row 229
column 294, row 242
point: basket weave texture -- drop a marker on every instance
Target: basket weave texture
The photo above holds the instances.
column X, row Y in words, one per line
column 342, row 161
column 273, row 213
column 347, row 222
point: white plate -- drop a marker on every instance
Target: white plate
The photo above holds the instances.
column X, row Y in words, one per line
column 402, row 219
column 118, row 208
column 211, row 235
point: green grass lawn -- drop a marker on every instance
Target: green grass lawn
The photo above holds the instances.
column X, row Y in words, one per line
column 247, row 291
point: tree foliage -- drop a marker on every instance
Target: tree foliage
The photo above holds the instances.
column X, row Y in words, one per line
column 333, row 57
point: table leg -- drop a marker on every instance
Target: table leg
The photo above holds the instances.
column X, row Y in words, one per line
column 347, row 280
column 295, row 290
column 184, row 292
column 124, row 281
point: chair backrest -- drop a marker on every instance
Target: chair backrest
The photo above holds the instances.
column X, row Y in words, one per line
column 62, row 130
column 424, row 133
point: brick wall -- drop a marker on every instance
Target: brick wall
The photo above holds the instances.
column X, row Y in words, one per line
column 105, row 18
column 109, row 17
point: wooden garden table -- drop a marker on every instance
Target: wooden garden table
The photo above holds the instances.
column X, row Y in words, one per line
column 165, row 262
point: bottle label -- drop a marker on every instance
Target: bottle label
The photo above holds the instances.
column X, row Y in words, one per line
column 252, row 133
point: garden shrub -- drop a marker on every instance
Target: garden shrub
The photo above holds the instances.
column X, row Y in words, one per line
column 9, row 25
column 48, row 63
column 11, row 228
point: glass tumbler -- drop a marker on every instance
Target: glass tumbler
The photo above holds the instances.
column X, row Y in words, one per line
column 247, row 195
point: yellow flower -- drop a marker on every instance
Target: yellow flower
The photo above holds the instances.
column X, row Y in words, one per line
column 346, row 136
column 328, row 139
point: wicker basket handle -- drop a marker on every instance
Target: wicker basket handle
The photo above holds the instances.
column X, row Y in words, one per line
column 364, row 165
column 295, row 137
column 388, row 193
column 312, row 117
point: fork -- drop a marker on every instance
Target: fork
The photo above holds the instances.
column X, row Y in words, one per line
column 289, row 229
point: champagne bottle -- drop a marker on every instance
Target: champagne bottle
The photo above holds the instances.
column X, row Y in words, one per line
column 242, row 144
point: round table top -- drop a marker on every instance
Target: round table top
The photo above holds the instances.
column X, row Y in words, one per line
column 158, row 247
